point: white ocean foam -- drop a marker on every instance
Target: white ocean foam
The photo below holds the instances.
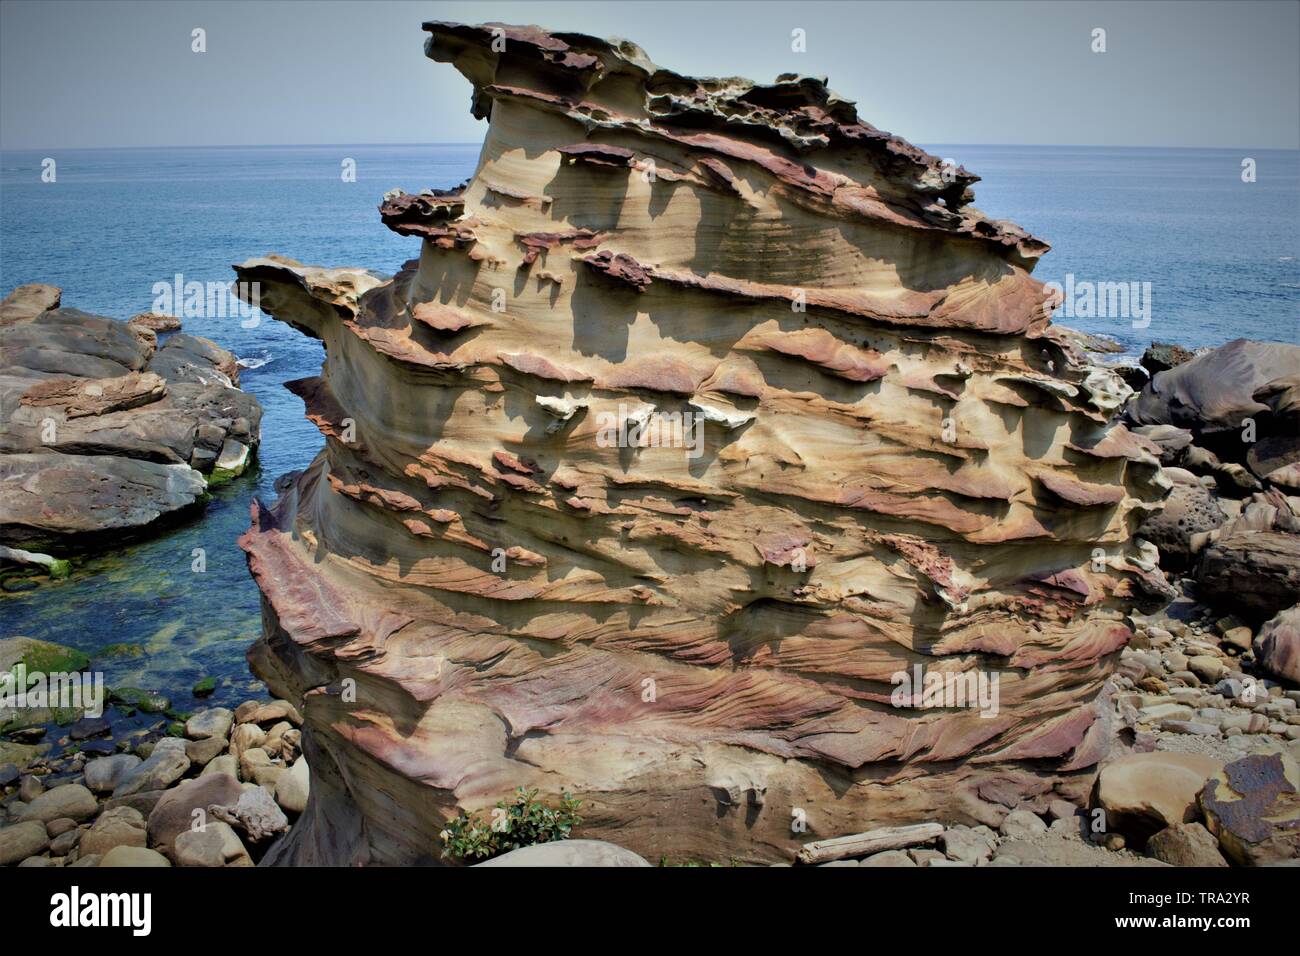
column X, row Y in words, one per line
column 251, row 363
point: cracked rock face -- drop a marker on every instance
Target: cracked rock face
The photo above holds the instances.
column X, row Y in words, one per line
column 511, row 565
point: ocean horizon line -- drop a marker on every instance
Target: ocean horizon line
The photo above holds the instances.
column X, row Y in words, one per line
column 1078, row 146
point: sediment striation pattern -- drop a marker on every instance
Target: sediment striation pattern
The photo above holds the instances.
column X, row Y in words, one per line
column 900, row 463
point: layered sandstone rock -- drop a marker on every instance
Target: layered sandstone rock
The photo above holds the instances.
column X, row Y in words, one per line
column 102, row 430
column 900, row 464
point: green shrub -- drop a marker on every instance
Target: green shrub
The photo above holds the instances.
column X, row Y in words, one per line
column 523, row 821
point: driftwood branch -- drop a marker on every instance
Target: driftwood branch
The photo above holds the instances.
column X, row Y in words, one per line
column 873, row 841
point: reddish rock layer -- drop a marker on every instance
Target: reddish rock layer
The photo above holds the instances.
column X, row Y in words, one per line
column 884, row 457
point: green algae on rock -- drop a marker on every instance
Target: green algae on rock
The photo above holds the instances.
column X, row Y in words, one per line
column 148, row 701
column 118, row 650
column 44, row 657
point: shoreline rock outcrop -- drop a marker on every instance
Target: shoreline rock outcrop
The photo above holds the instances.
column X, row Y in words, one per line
column 881, row 460
column 104, row 431
column 1228, row 426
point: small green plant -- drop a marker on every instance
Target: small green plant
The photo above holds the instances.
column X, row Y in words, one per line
column 523, row 821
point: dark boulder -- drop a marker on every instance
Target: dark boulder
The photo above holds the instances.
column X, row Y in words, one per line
column 1161, row 357
column 1214, row 393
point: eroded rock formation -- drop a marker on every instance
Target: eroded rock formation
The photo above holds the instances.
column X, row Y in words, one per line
column 1230, row 420
column 102, row 430
column 901, row 464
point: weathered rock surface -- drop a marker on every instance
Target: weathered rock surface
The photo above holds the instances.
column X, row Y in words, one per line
column 1216, row 391
column 1277, row 646
column 28, row 301
column 212, row 722
column 165, row 765
column 246, row 737
column 1143, row 793
column 294, row 787
column 1171, row 441
column 51, row 498
column 1162, row 356
column 174, row 813
column 156, row 322
column 64, row 825
column 215, row 845
column 1230, row 419
column 116, row 826
column 22, row 840
column 104, row 774
column 1065, row 848
column 569, row 853
column 101, row 431
column 1186, row 844
column 1252, row 572
column 1190, row 510
column 967, row 845
column 1274, row 457
column 1253, row 806
column 132, row 856
column 900, row 463
column 203, row 751
column 70, row 800
column 1022, row 825
column 255, row 813
column 226, row 764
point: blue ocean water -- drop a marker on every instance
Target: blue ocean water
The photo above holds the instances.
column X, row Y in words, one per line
column 114, row 223
column 1221, row 256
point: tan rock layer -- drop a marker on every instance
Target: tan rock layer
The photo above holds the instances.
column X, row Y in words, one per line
column 900, row 463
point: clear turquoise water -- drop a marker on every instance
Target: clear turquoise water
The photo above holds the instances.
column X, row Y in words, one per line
column 1221, row 255
column 116, row 222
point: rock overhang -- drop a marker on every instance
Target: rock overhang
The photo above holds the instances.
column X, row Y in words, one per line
column 902, row 463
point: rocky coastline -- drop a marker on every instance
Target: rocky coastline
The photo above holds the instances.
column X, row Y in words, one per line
column 902, row 466
column 109, row 429
column 214, row 790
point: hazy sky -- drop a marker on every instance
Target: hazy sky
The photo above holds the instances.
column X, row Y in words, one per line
column 106, row 73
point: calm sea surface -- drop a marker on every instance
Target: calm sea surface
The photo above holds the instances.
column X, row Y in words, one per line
column 1220, row 254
